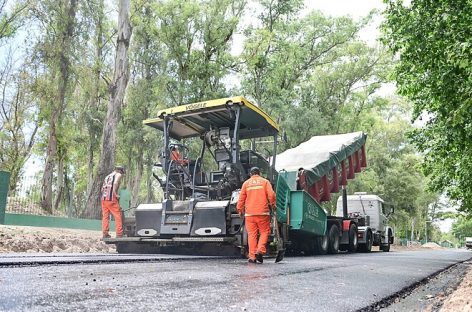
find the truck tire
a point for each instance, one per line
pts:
(321, 245)
(333, 239)
(386, 247)
(367, 247)
(352, 238)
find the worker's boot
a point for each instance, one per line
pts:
(252, 261)
(259, 257)
(105, 235)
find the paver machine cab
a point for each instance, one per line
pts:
(199, 206)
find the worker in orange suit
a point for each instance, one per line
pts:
(110, 203)
(177, 157)
(255, 201)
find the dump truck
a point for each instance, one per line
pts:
(198, 211)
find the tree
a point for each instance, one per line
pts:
(94, 69)
(433, 43)
(11, 20)
(55, 49)
(462, 227)
(117, 90)
(143, 94)
(196, 37)
(18, 119)
(306, 69)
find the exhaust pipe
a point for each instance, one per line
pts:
(344, 201)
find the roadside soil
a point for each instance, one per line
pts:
(453, 286)
(39, 239)
(461, 298)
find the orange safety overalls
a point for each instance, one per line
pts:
(177, 157)
(111, 205)
(254, 199)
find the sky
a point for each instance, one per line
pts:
(354, 8)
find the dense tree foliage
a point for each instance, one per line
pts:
(433, 42)
(462, 227)
(309, 71)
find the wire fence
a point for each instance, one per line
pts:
(26, 199)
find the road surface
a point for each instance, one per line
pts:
(344, 282)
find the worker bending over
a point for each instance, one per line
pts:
(255, 200)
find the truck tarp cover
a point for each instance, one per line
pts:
(320, 154)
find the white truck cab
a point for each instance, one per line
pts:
(468, 242)
(373, 216)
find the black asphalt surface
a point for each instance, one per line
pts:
(23, 259)
(344, 282)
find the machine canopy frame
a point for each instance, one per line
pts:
(194, 120)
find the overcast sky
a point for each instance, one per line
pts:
(354, 8)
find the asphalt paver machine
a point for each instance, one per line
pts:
(198, 211)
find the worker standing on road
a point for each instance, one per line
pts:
(110, 202)
(255, 200)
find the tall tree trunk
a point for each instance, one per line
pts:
(64, 43)
(59, 184)
(95, 97)
(46, 183)
(90, 167)
(137, 178)
(117, 93)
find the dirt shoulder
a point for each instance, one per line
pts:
(38, 239)
(461, 298)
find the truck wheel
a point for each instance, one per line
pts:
(321, 245)
(352, 238)
(386, 247)
(367, 247)
(333, 239)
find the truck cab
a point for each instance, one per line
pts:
(374, 230)
(468, 242)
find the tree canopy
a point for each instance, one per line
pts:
(433, 43)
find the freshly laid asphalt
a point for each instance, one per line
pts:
(344, 282)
